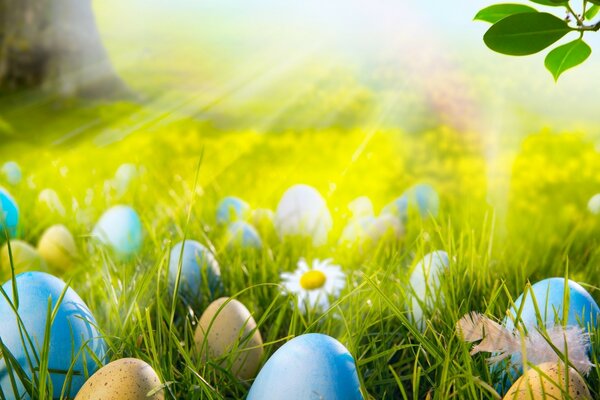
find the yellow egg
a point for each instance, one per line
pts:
(124, 379)
(58, 247)
(539, 384)
(24, 258)
(228, 332)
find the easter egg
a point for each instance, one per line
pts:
(227, 332)
(196, 262)
(120, 229)
(421, 198)
(74, 341)
(594, 204)
(356, 232)
(9, 215)
(48, 198)
(124, 176)
(124, 379)
(547, 381)
(241, 234)
(57, 246)
(549, 295)
(232, 209)
(425, 284)
(310, 366)
(24, 258)
(302, 212)
(12, 172)
(361, 207)
(385, 226)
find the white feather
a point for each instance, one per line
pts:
(572, 341)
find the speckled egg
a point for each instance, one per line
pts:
(57, 246)
(310, 366)
(124, 379)
(232, 209)
(120, 229)
(543, 383)
(74, 340)
(421, 198)
(24, 258)
(227, 332)
(196, 262)
(241, 234)
(303, 212)
(12, 172)
(594, 204)
(48, 198)
(9, 215)
(425, 283)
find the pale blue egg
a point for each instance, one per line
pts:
(74, 339)
(232, 209)
(310, 366)
(12, 172)
(197, 262)
(120, 229)
(9, 215)
(241, 234)
(422, 198)
(549, 295)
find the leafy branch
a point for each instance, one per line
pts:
(520, 30)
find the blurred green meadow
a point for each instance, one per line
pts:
(240, 106)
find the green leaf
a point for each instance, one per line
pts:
(524, 34)
(497, 12)
(592, 12)
(596, 2)
(551, 3)
(567, 56)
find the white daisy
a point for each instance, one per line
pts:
(314, 285)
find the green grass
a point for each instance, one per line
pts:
(541, 228)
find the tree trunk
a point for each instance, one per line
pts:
(54, 45)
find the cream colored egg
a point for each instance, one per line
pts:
(543, 384)
(57, 246)
(228, 332)
(124, 379)
(24, 258)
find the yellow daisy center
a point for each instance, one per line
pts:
(312, 280)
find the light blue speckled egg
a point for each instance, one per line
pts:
(549, 295)
(9, 215)
(74, 339)
(196, 262)
(232, 209)
(310, 366)
(241, 234)
(422, 198)
(120, 229)
(12, 172)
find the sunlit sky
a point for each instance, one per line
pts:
(420, 47)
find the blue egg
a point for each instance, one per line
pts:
(74, 339)
(421, 198)
(9, 215)
(196, 262)
(232, 209)
(120, 229)
(241, 234)
(311, 366)
(12, 172)
(549, 295)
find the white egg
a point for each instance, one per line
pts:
(425, 284)
(302, 211)
(594, 204)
